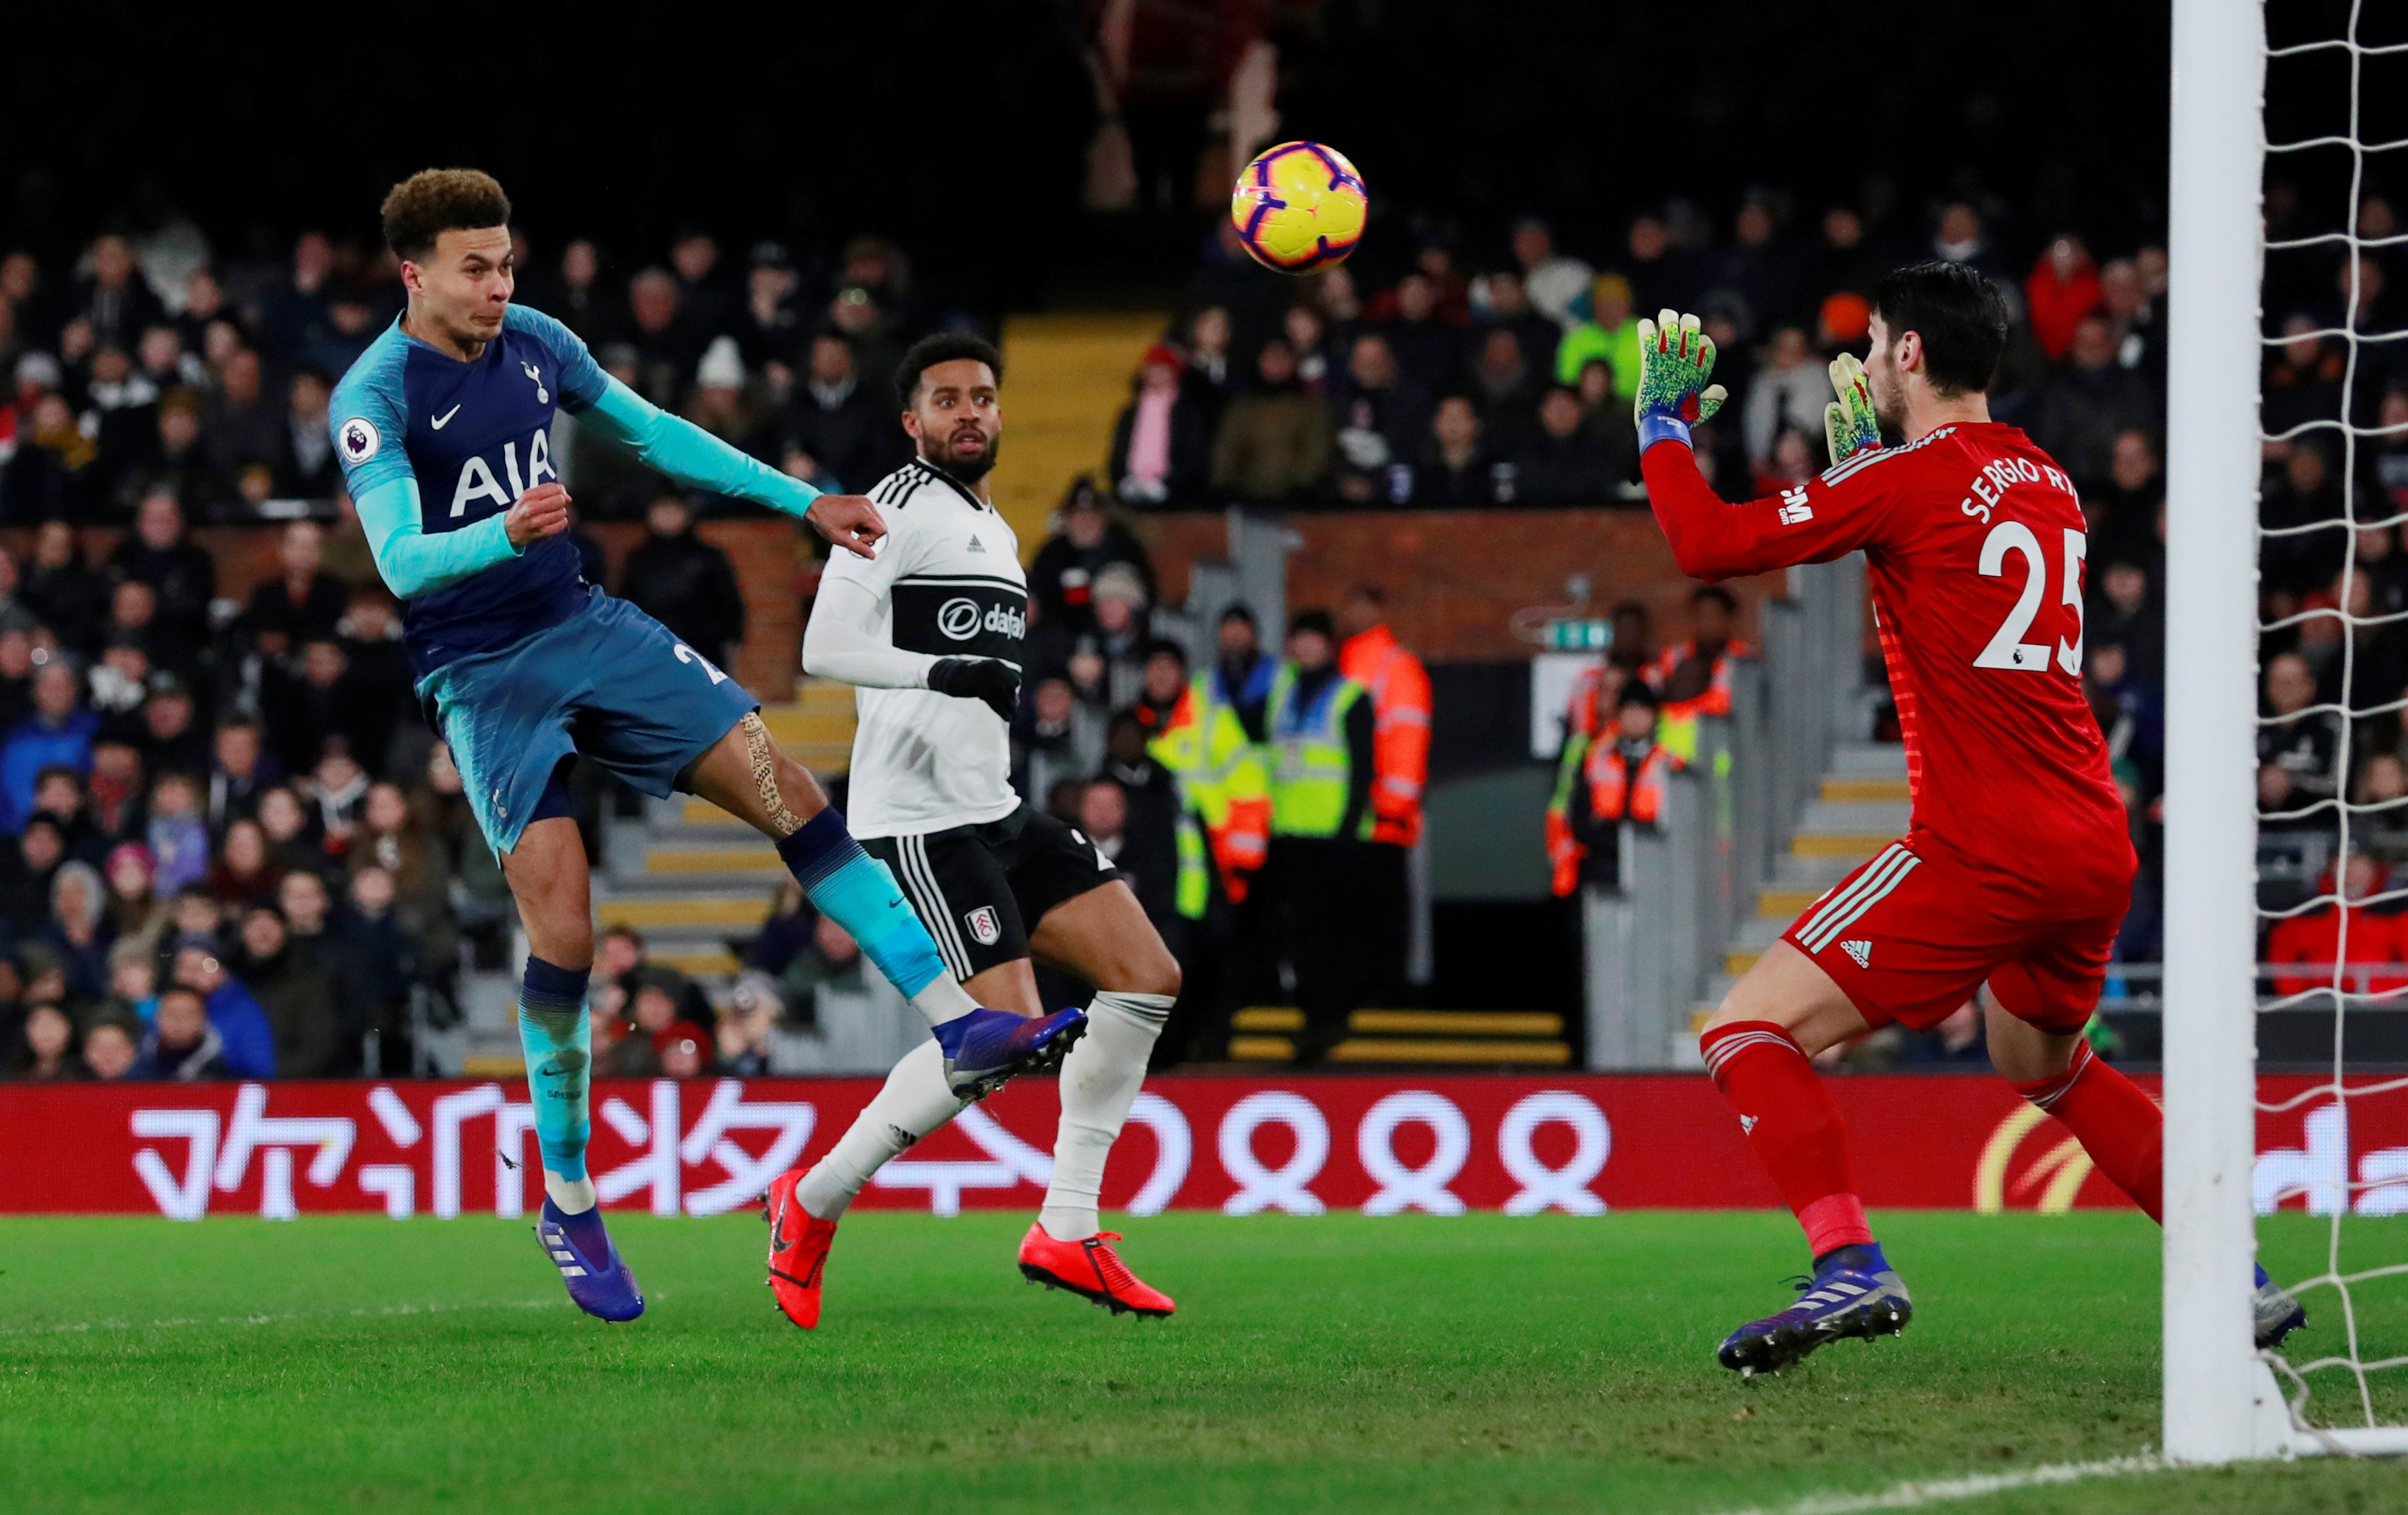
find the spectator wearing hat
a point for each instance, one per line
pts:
(1275, 439)
(1085, 541)
(1610, 332)
(166, 732)
(1615, 781)
(26, 867)
(1242, 672)
(1162, 443)
(768, 329)
(1122, 634)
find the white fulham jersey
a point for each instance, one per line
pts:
(949, 583)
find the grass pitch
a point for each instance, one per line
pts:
(1334, 1364)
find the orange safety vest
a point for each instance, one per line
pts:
(1716, 700)
(1615, 794)
(1399, 688)
(1583, 722)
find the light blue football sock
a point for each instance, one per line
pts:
(559, 1045)
(856, 892)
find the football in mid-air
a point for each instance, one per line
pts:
(1299, 206)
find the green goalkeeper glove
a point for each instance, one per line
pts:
(1849, 425)
(1675, 360)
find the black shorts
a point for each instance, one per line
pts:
(980, 889)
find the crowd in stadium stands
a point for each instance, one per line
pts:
(208, 799)
(1504, 375)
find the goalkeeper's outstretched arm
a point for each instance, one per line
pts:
(1823, 519)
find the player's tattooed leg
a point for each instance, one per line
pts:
(763, 755)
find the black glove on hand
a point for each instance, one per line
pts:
(991, 680)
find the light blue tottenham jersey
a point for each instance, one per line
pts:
(476, 435)
(437, 450)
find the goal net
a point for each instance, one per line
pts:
(2286, 684)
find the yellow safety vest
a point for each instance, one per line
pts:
(1310, 763)
(1225, 793)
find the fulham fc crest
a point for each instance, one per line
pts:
(984, 926)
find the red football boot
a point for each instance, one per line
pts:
(1093, 1271)
(798, 1249)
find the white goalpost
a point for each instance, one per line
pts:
(2224, 1401)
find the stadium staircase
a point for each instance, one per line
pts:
(1068, 374)
(1861, 808)
(690, 877)
(1493, 1039)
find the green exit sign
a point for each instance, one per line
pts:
(1579, 636)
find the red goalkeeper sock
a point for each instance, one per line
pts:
(1793, 1125)
(2118, 1125)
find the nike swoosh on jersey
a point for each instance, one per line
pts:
(438, 421)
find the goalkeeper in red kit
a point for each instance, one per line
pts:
(2018, 869)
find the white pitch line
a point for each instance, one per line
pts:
(1916, 1494)
(73, 1327)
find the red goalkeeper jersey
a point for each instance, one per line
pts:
(1975, 545)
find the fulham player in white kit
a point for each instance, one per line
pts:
(930, 631)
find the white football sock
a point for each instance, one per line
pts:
(943, 1000)
(1100, 1078)
(569, 1196)
(913, 1102)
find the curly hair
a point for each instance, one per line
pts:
(433, 201)
(942, 347)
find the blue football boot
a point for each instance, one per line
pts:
(2278, 1313)
(1853, 1293)
(985, 1048)
(603, 1286)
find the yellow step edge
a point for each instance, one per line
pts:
(1437, 1050)
(1261, 1050)
(832, 726)
(1736, 963)
(1784, 904)
(1866, 791)
(1268, 1018)
(1457, 1023)
(713, 860)
(1826, 844)
(696, 961)
(492, 1066)
(731, 914)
